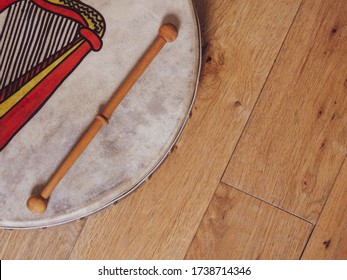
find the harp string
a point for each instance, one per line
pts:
(30, 37)
(4, 35)
(27, 27)
(23, 11)
(10, 26)
(52, 37)
(32, 51)
(30, 31)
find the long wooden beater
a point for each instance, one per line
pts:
(167, 33)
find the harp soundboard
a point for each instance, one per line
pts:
(41, 43)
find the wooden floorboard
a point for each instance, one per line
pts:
(275, 73)
(238, 226)
(296, 141)
(329, 238)
(52, 243)
(159, 221)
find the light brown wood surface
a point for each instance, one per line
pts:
(296, 140)
(51, 243)
(237, 226)
(329, 239)
(246, 45)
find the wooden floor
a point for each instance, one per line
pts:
(260, 171)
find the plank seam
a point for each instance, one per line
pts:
(261, 91)
(74, 246)
(308, 239)
(331, 189)
(202, 218)
(325, 202)
(268, 203)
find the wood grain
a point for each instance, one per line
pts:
(296, 140)
(159, 221)
(290, 154)
(329, 238)
(238, 226)
(52, 243)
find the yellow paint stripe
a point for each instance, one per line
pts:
(9, 103)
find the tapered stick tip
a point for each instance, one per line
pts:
(37, 205)
(168, 32)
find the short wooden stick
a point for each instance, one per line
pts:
(167, 33)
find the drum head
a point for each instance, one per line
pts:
(141, 132)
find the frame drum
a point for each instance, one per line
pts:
(141, 133)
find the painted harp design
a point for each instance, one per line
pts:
(41, 43)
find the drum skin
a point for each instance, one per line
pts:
(141, 132)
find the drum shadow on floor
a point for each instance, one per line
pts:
(202, 8)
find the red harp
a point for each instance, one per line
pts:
(41, 43)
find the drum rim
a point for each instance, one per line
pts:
(157, 165)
